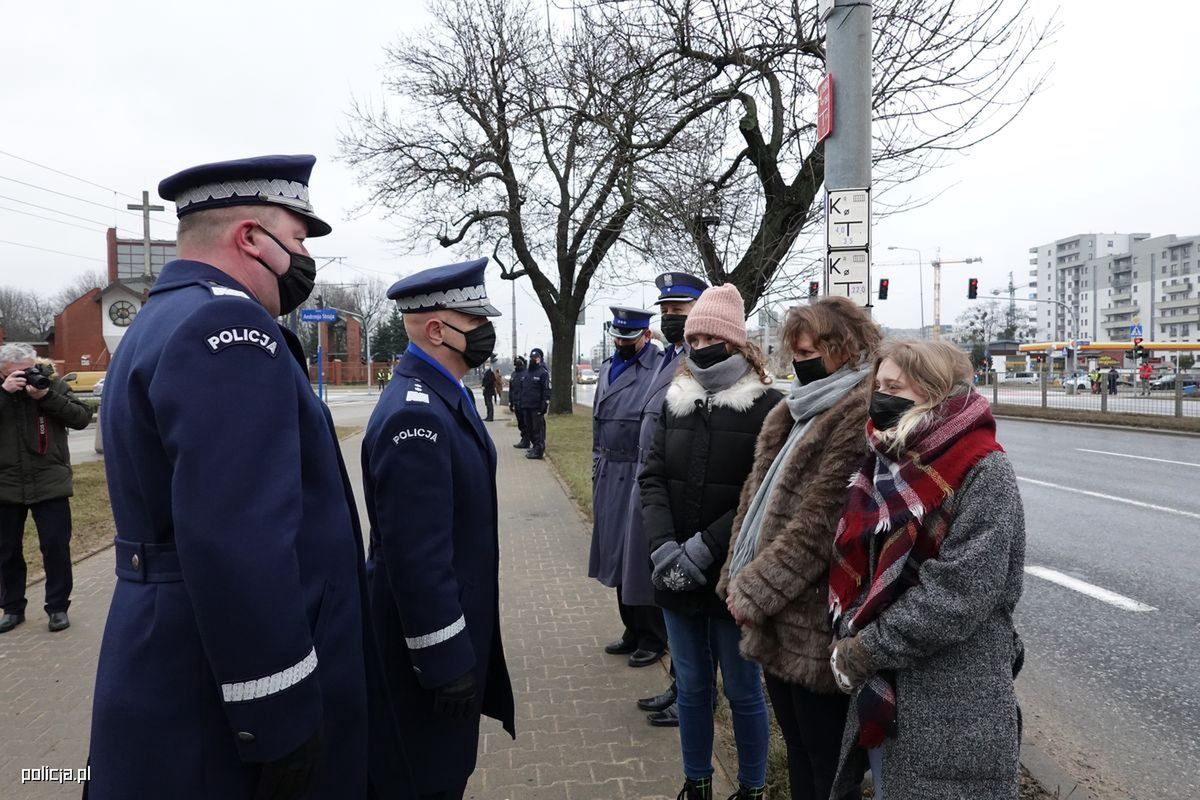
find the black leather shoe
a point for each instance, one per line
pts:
(59, 621)
(522, 445)
(10, 621)
(644, 658)
(659, 701)
(667, 718)
(620, 647)
(535, 454)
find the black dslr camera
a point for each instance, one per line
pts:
(38, 377)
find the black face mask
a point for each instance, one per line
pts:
(627, 352)
(809, 370)
(887, 409)
(672, 327)
(481, 343)
(712, 355)
(296, 284)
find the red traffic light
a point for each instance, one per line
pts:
(814, 288)
(972, 288)
(1137, 340)
(883, 288)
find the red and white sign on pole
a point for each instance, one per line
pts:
(824, 108)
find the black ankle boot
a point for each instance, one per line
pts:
(749, 794)
(696, 790)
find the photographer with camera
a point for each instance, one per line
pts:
(36, 408)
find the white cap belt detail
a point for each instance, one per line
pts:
(468, 296)
(272, 684)
(291, 192)
(437, 637)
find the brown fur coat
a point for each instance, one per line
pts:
(784, 591)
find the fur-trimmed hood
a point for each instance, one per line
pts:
(686, 393)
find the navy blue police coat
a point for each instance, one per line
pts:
(429, 470)
(238, 620)
(535, 388)
(616, 417)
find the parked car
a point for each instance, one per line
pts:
(1021, 377)
(83, 381)
(98, 389)
(585, 374)
(1167, 382)
(1081, 383)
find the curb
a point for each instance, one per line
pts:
(1100, 426)
(1049, 775)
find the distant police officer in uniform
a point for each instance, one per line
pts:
(677, 292)
(620, 395)
(516, 384)
(235, 659)
(429, 468)
(535, 402)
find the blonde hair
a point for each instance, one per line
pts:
(936, 370)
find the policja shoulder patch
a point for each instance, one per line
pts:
(241, 334)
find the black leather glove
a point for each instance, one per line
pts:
(455, 698)
(290, 777)
(545, 410)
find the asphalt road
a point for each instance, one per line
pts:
(1126, 400)
(1113, 694)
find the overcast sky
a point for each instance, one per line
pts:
(123, 94)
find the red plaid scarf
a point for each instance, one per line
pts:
(901, 501)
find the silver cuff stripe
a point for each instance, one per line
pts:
(272, 684)
(467, 296)
(437, 637)
(267, 189)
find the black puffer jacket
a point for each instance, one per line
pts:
(35, 462)
(702, 454)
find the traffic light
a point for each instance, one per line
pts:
(1139, 352)
(972, 288)
(883, 288)
(814, 288)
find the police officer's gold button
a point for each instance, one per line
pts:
(135, 561)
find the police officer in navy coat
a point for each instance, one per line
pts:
(616, 415)
(236, 657)
(429, 468)
(534, 401)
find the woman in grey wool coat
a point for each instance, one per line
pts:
(928, 565)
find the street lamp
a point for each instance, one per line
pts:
(920, 280)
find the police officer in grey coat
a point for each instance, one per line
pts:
(616, 415)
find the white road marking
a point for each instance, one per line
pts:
(1140, 458)
(1113, 498)
(1091, 590)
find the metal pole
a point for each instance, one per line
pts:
(514, 320)
(1045, 378)
(937, 295)
(1178, 389)
(367, 333)
(848, 59)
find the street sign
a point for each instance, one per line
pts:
(848, 274)
(824, 9)
(848, 219)
(1082, 342)
(318, 315)
(825, 108)
(1135, 331)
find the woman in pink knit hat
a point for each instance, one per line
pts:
(702, 453)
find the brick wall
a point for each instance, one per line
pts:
(77, 332)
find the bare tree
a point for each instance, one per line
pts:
(507, 133)
(948, 74)
(24, 315)
(79, 285)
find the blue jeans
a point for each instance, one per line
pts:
(695, 642)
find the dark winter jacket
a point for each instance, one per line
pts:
(35, 462)
(489, 383)
(516, 384)
(784, 591)
(702, 453)
(535, 391)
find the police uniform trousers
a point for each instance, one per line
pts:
(644, 625)
(535, 428)
(489, 402)
(53, 521)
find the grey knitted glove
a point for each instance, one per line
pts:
(663, 559)
(697, 551)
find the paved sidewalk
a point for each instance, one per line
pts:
(580, 736)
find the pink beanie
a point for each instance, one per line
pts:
(719, 313)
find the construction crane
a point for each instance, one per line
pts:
(937, 287)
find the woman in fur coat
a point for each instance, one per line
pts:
(776, 578)
(930, 553)
(702, 452)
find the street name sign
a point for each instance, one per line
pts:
(318, 315)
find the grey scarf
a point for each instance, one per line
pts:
(722, 375)
(805, 402)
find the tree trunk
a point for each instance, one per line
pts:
(562, 365)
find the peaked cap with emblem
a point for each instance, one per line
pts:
(678, 287)
(280, 181)
(629, 323)
(457, 287)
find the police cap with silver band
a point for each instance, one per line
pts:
(678, 287)
(456, 287)
(629, 323)
(280, 181)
